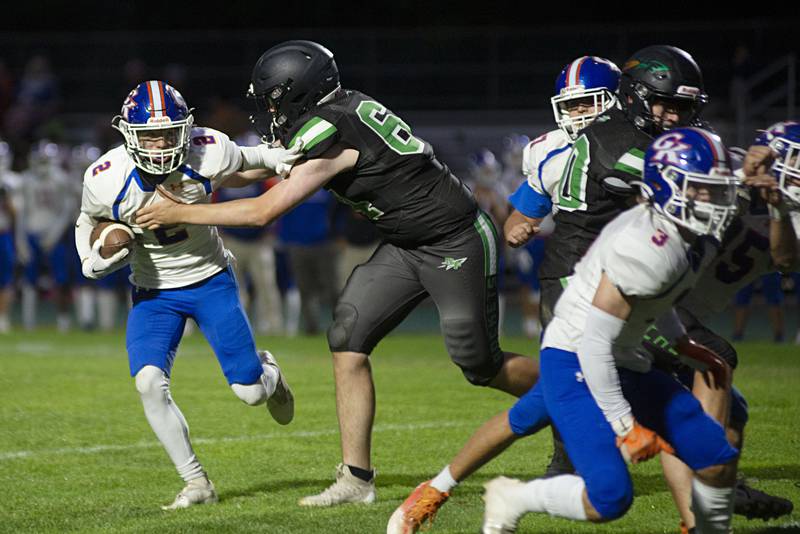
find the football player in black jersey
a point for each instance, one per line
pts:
(436, 242)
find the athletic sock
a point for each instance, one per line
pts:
(712, 507)
(363, 474)
(560, 496)
(444, 481)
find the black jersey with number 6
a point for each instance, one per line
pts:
(610, 149)
(397, 183)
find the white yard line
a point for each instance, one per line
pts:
(16, 455)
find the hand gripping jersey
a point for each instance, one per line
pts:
(644, 255)
(744, 256)
(610, 147)
(397, 183)
(114, 188)
(543, 161)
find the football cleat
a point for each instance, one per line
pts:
(197, 491)
(281, 403)
(348, 488)
(755, 504)
(559, 462)
(420, 507)
(500, 517)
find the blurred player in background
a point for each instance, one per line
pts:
(9, 224)
(178, 272)
(49, 205)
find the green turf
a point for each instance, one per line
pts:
(76, 453)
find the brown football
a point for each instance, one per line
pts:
(117, 237)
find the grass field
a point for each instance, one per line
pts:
(76, 454)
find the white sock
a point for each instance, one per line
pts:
(63, 321)
(84, 305)
(560, 496)
(167, 421)
(712, 507)
(5, 323)
(107, 309)
(292, 311)
(29, 298)
(444, 481)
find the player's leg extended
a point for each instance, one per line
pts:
(603, 491)
(378, 296)
(527, 417)
(155, 326)
(661, 403)
(254, 377)
(461, 277)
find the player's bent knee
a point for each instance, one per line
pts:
(150, 380)
(610, 494)
(340, 332)
(251, 394)
(479, 362)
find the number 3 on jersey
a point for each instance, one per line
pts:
(390, 128)
(571, 193)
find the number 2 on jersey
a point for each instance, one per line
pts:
(390, 128)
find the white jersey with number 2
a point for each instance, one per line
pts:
(181, 255)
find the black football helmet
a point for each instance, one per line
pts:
(288, 80)
(664, 73)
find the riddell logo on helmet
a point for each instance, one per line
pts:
(687, 90)
(159, 120)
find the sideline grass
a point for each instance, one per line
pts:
(76, 454)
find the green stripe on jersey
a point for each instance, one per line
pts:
(486, 230)
(313, 132)
(631, 162)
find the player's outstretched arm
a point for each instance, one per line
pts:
(305, 179)
(519, 229)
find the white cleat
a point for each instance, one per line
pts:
(197, 491)
(348, 488)
(500, 517)
(281, 402)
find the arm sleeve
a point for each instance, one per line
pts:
(598, 365)
(530, 202)
(83, 232)
(230, 159)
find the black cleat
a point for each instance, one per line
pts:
(560, 463)
(755, 504)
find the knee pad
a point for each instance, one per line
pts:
(471, 351)
(610, 493)
(150, 381)
(341, 330)
(251, 394)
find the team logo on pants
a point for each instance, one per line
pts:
(452, 263)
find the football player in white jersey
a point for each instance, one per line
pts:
(607, 400)
(9, 229)
(585, 88)
(49, 202)
(754, 244)
(182, 271)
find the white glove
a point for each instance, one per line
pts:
(96, 266)
(278, 159)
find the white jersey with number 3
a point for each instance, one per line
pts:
(644, 256)
(113, 188)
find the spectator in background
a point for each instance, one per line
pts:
(6, 90)
(773, 295)
(357, 239)
(254, 250)
(306, 233)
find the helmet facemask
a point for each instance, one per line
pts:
(786, 169)
(705, 204)
(690, 103)
(157, 161)
(599, 99)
